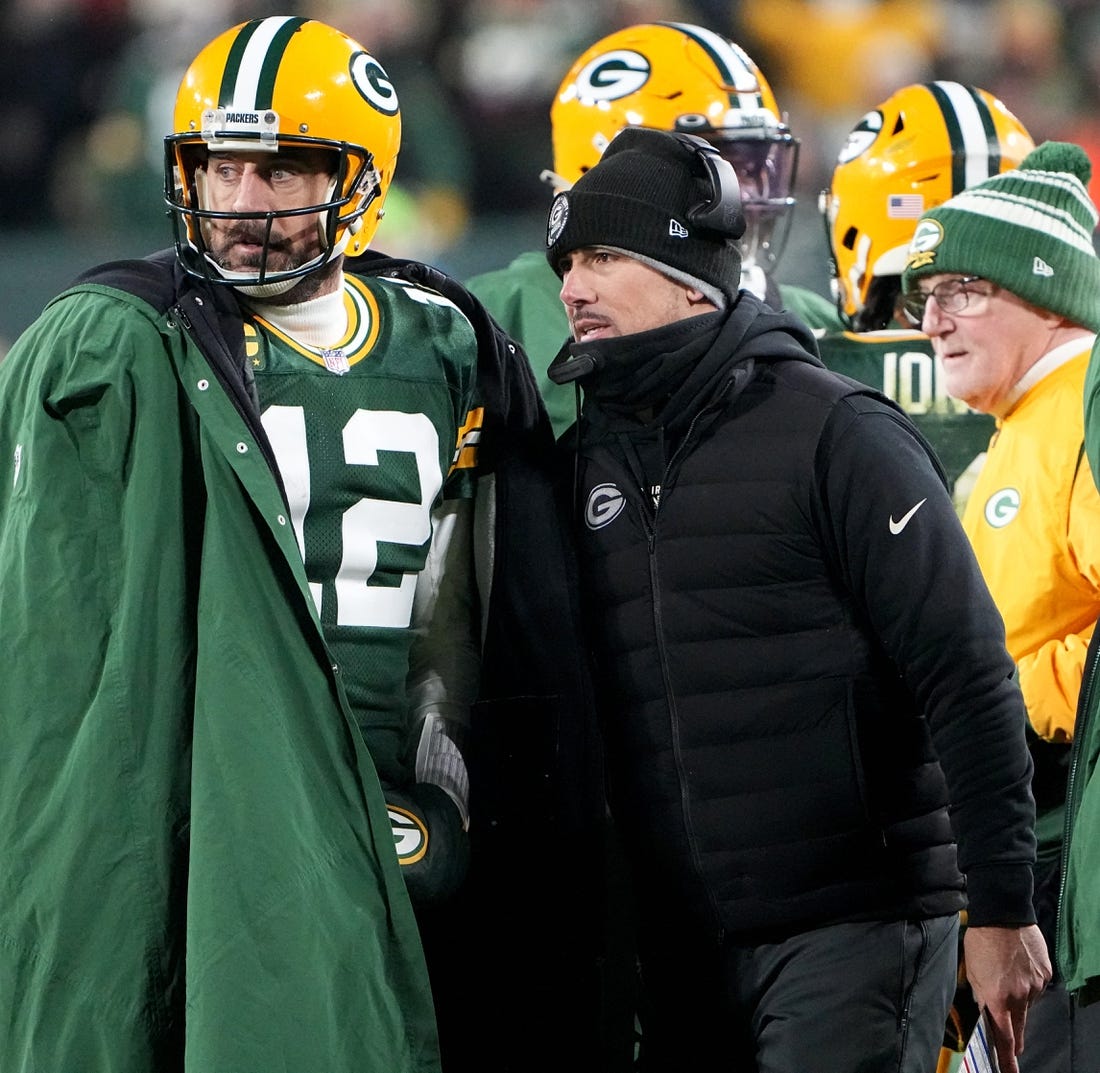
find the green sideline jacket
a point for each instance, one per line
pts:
(1078, 939)
(196, 867)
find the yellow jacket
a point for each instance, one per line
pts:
(1034, 521)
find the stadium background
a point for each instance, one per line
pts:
(86, 91)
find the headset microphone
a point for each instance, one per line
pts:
(566, 368)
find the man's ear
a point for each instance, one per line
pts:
(695, 298)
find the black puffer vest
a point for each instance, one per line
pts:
(768, 769)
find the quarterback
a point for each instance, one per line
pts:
(237, 603)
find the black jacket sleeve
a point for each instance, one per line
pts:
(901, 551)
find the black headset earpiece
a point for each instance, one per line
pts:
(721, 211)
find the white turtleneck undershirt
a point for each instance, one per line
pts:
(319, 322)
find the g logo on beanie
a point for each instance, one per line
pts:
(922, 247)
(559, 217)
(1030, 230)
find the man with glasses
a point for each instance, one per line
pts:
(1005, 280)
(921, 146)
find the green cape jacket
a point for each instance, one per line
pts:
(196, 866)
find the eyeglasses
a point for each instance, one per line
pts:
(952, 296)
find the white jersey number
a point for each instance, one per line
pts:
(358, 603)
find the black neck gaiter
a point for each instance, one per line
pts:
(639, 373)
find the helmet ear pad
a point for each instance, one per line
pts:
(878, 310)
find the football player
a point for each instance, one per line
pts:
(912, 152)
(285, 141)
(238, 608)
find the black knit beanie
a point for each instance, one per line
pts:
(647, 196)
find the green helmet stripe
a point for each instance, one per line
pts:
(732, 64)
(975, 149)
(991, 137)
(265, 88)
(248, 83)
(233, 63)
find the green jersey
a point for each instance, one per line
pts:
(902, 365)
(524, 300)
(370, 437)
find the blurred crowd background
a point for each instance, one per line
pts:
(87, 87)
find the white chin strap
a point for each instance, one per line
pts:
(255, 290)
(270, 290)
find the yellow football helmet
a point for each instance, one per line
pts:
(274, 84)
(679, 77)
(923, 145)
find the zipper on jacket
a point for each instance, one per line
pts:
(649, 522)
(670, 698)
(674, 733)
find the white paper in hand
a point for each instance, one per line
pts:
(980, 1057)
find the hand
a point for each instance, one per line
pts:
(432, 847)
(1007, 969)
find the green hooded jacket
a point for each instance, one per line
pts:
(197, 870)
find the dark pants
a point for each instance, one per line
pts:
(1060, 1036)
(850, 998)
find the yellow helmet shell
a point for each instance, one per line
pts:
(926, 143)
(669, 76)
(285, 82)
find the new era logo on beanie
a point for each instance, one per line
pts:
(656, 196)
(1029, 230)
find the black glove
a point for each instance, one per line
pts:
(432, 847)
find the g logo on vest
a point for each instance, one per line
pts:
(605, 504)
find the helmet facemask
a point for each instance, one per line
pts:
(766, 163)
(354, 185)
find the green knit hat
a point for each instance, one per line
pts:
(1029, 230)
